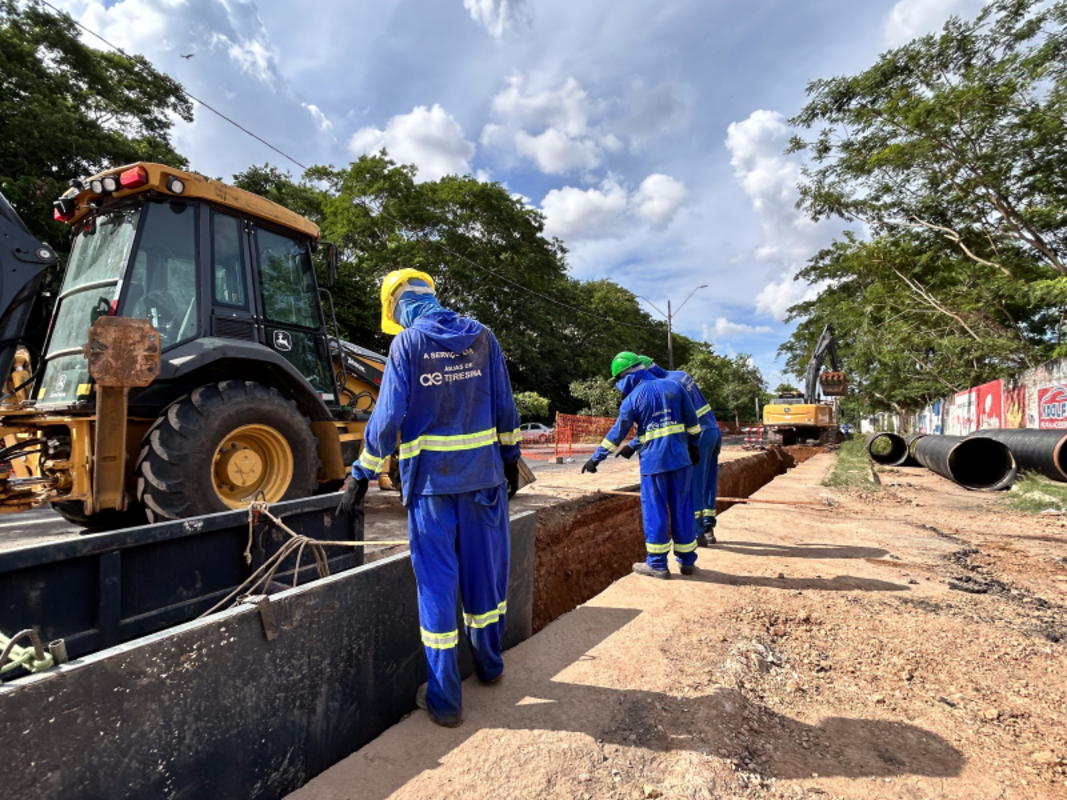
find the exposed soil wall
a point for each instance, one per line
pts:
(585, 545)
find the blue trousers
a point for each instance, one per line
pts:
(706, 479)
(460, 541)
(667, 513)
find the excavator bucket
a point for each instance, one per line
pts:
(23, 261)
(833, 384)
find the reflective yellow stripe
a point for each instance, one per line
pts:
(608, 445)
(656, 549)
(670, 430)
(515, 437)
(698, 514)
(709, 512)
(370, 462)
(693, 431)
(685, 548)
(440, 641)
(463, 441)
(703, 410)
(488, 618)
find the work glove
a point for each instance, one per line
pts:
(589, 466)
(352, 499)
(694, 454)
(625, 451)
(511, 474)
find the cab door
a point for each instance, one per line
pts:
(232, 309)
(291, 315)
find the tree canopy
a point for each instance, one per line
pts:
(950, 151)
(68, 111)
(489, 260)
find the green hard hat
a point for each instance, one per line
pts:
(645, 360)
(624, 361)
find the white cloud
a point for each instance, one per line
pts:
(567, 109)
(557, 154)
(724, 328)
(429, 138)
(769, 178)
(658, 200)
(777, 296)
(911, 18)
(573, 214)
(320, 118)
(496, 16)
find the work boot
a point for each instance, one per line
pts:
(702, 540)
(642, 568)
(420, 701)
(688, 569)
(492, 681)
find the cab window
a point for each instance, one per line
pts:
(161, 281)
(227, 262)
(287, 279)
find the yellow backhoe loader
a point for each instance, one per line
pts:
(188, 368)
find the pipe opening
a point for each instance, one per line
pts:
(981, 464)
(887, 448)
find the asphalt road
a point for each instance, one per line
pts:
(34, 527)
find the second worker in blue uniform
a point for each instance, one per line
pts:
(668, 430)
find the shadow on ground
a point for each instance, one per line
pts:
(532, 697)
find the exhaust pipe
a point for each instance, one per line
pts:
(887, 449)
(1041, 451)
(973, 462)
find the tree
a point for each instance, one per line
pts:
(731, 386)
(489, 260)
(950, 150)
(68, 111)
(531, 404)
(600, 396)
(785, 387)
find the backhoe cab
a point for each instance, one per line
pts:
(794, 417)
(188, 367)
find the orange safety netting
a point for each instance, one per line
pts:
(581, 434)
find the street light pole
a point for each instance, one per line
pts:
(670, 322)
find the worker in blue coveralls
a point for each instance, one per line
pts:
(706, 473)
(668, 430)
(447, 394)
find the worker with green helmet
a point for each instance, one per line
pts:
(668, 430)
(706, 472)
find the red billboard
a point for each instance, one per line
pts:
(979, 407)
(1052, 407)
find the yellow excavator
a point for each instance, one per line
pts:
(793, 417)
(192, 363)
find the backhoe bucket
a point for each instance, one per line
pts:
(23, 261)
(833, 384)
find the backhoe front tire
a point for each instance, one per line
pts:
(221, 445)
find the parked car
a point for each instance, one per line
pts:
(536, 433)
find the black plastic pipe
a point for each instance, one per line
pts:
(910, 461)
(1041, 451)
(898, 449)
(974, 462)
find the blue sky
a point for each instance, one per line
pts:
(650, 133)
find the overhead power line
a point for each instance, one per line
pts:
(382, 213)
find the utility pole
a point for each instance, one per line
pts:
(670, 339)
(670, 322)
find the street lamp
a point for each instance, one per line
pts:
(670, 316)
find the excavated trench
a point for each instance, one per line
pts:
(585, 545)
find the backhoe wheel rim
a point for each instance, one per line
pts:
(249, 460)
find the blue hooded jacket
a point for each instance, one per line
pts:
(446, 392)
(666, 422)
(685, 380)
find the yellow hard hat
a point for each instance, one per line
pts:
(392, 288)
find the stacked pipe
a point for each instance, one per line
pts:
(910, 461)
(974, 462)
(887, 449)
(1043, 451)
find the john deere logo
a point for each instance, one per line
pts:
(283, 341)
(786, 410)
